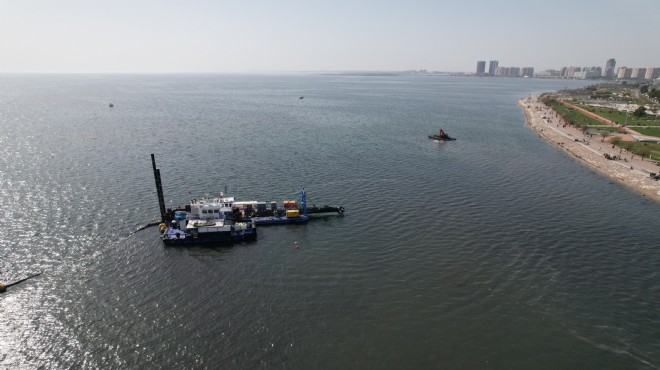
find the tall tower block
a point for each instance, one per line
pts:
(609, 68)
(492, 67)
(481, 68)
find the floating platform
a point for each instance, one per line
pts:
(224, 220)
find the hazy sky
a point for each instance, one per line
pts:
(337, 35)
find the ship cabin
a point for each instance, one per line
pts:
(211, 209)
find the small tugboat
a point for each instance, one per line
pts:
(441, 136)
(207, 220)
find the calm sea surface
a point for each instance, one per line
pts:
(494, 251)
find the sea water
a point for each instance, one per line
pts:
(496, 250)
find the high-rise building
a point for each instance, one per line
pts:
(638, 73)
(624, 73)
(528, 72)
(609, 68)
(513, 72)
(481, 68)
(652, 73)
(492, 67)
(570, 71)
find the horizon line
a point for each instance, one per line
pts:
(420, 70)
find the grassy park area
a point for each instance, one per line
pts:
(645, 125)
(622, 118)
(576, 118)
(642, 149)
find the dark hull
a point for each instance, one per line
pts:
(264, 221)
(437, 137)
(215, 238)
(278, 217)
(324, 211)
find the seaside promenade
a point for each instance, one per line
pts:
(631, 170)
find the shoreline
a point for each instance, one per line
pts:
(630, 172)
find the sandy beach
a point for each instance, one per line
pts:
(629, 171)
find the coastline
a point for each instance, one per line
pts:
(631, 171)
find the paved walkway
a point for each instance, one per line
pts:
(630, 171)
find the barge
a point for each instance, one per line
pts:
(293, 211)
(206, 220)
(223, 219)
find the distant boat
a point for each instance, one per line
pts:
(441, 136)
(111, 105)
(438, 137)
(302, 97)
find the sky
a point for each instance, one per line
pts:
(244, 36)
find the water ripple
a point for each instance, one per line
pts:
(495, 250)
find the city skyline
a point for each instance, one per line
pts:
(221, 36)
(610, 71)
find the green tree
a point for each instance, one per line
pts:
(654, 93)
(643, 151)
(615, 140)
(640, 111)
(644, 89)
(604, 134)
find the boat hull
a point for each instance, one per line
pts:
(324, 211)
(213, 238)
(437, 137)
(279, 220)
